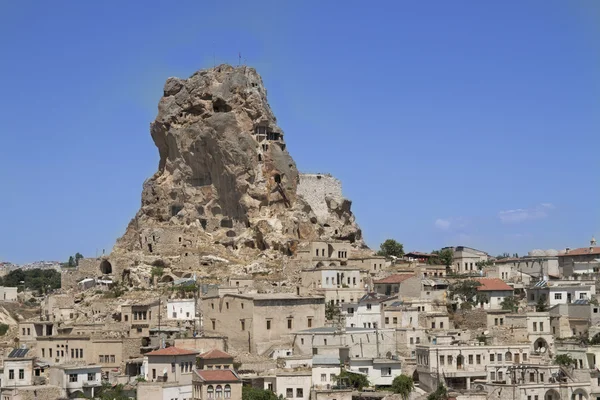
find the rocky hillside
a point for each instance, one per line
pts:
(225, 176)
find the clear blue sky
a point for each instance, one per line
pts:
(449, 122)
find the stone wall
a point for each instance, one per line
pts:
(45, 392)
(314, 188)
(203, 344)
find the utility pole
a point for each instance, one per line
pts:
(159, 339)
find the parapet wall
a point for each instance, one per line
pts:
(314, 188)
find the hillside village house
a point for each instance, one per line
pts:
(366, 313)
(77, 380)
(255, 322)
(561, 291)
(495, 291)
(381, 371)
(337, 284)
(168, 373)
(181, 309)
(392, 285)
(215, 377)
(466, 259)
(573, 261)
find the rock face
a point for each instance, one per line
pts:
(225, 176)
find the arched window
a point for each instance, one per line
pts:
(211, 391)
(219, 391)
(508, 356)
(227, 391)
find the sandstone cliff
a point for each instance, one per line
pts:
(225, 178)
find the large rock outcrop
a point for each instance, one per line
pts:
(225, 177)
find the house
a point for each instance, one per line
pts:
(466, 258)
(181, 309)
(168, 373)
(582, 255)
(254, 322)
(459, 365)
(18, 369)
(216, 384)
(338, 284)
(560, 291)
(417, 256)
(8, 293)
(495, 291)
(380, 371)
(215, 359)
(77, 380)
(171, 364)
(295, 384)
(325, 369)
(140, 317)
(366, 313)
(392, 284)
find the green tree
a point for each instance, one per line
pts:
(595, 340)
(3, 329)
(357, 381)
(510, 303)
(251, 393)
(78, 256)
(36, 279)
(541, 305)
(403, 385)
(391, 248)
(332, 312)
(446, 256)
(564, 360)
(441, 393)
(466, 292)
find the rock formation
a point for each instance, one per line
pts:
(225, 177)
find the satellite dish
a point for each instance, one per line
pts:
(542, 349)
(486, 332)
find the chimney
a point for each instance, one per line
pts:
(567, 250)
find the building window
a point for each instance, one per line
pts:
(210, 390)
(301, 340)
(299, 392)
(508, 356)
(309, 322)
(323, 377)
(418, 340)
(535, 326)
(91, 376)
(442, 359)
(11, 374)
(43, 353)
(441, 325)
(72, 377)
(470, 358)
(243, 323)
(395, 320)
(173, 367)
(214, 324)
(289, 321)
(491, 357)
(268, 324)
(557, 296)
(500, 375)
(492, 376)
(541, 377)
(219, 391)
(387, 320)
(499, 357)
(411, 340)
(478, 359)
(289, 393)
(524, 356)
(227, 391)
(387, 371)
(368, 306)
(541, 326)
(433, 325)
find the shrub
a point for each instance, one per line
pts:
(3, 329)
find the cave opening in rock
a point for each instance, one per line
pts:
(105, 267)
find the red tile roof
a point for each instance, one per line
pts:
(217, 375)
(396, 278)
(172, 351)
(418, 253)
(488, 284)
(582, 251)
(214, 353)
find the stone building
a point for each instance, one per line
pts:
(392, 285)
(211, 384)
(560, 291)
(77, 380)
(495, 291)
(367, 312)
(8, 293)
(466, 259)
(254, 322)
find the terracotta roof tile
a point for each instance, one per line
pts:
(396, 278)
(214, 353)
(172, 351)
(217, 375)
(488, 284)
(582, 251)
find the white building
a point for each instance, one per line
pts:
(18, 369)
(293, 384)
(495, 290)
(366, 313)
(561, 292)
(380, 371)
(8, 293)
(324, 370)
(181, 309)
(466, 259)
(80, 381)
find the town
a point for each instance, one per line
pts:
(331, 325)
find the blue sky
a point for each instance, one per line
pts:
(449, 123)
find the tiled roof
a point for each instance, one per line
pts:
(582, 251)
(396, 278)
(488, 284)
(418, 253)
(214, 353)
(172, 351)
(217, 375)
